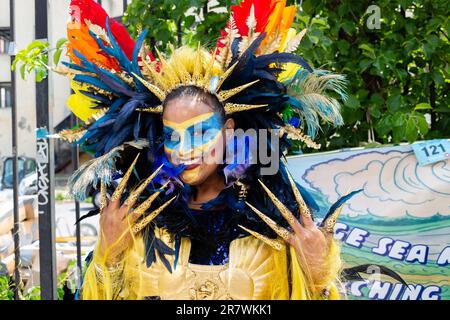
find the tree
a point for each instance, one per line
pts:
(397, 73)
(395, 55)
(181, 22)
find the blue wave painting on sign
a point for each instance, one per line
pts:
(400, 220)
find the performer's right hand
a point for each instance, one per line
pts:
(119, 222)
(115, 231)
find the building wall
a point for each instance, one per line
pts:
(5, 75)
(25, 97)
(4, 13)
(114, 8)
(59, 87)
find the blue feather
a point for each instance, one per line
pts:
(135, 65)
(118, 52)
(74, 66)
(92, 81)
(126, 111)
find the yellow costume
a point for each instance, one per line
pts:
(255, 271)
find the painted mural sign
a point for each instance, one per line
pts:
(400, 220)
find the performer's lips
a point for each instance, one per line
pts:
(191, 164)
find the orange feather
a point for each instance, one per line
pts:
(81, 40)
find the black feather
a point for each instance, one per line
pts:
(91, 213)
(353, 273)
(281, 57)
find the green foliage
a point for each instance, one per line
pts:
(64, 279)
(167, 21)
(398, 74)
(35, 58)
(6, 289)
(60, 196)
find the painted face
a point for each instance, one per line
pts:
(193, 137)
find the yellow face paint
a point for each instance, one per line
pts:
(188, 123)
(193, 137)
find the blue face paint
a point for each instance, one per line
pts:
(194, 135)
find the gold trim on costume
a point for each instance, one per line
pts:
(236, 107)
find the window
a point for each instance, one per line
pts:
(4, 40)
(25, 166)
(5, 95)
(4, 46)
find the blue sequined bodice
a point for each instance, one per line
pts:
(218, 229)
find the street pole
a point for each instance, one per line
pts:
(46, 170)
(75, 163)
(17, 279)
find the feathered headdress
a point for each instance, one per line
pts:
(119, 86)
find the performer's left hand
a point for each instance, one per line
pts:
(311, 245)
(310, 242)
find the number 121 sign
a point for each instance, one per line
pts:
(431, 151)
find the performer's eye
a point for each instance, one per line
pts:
(174, 137)
(171, 136)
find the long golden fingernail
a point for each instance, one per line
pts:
(304, 210)
(280, 231)
(144, 222)
(285, 212)
(103, 196)
(135, 194)
(143, 207)
(123, 183)
(329, 223)
(271, 242)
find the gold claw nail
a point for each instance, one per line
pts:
(280, 231)
(330, 222)
(304, 210)
(285, 212)
(143, 207)
(123, 183)
(103, 196)
(144, 222)
(135, 194)
(271, 242)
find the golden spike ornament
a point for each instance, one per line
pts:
(143, 207)
(237, 107)
(329, 223)
(227, 94)
(156, 110)
(297, 134)
(225, 75)
(152, 88)
(285, 212)
(103, 196)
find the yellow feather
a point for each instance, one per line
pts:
(79, 104)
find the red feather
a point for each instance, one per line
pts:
(82, 10)
(263, 9)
